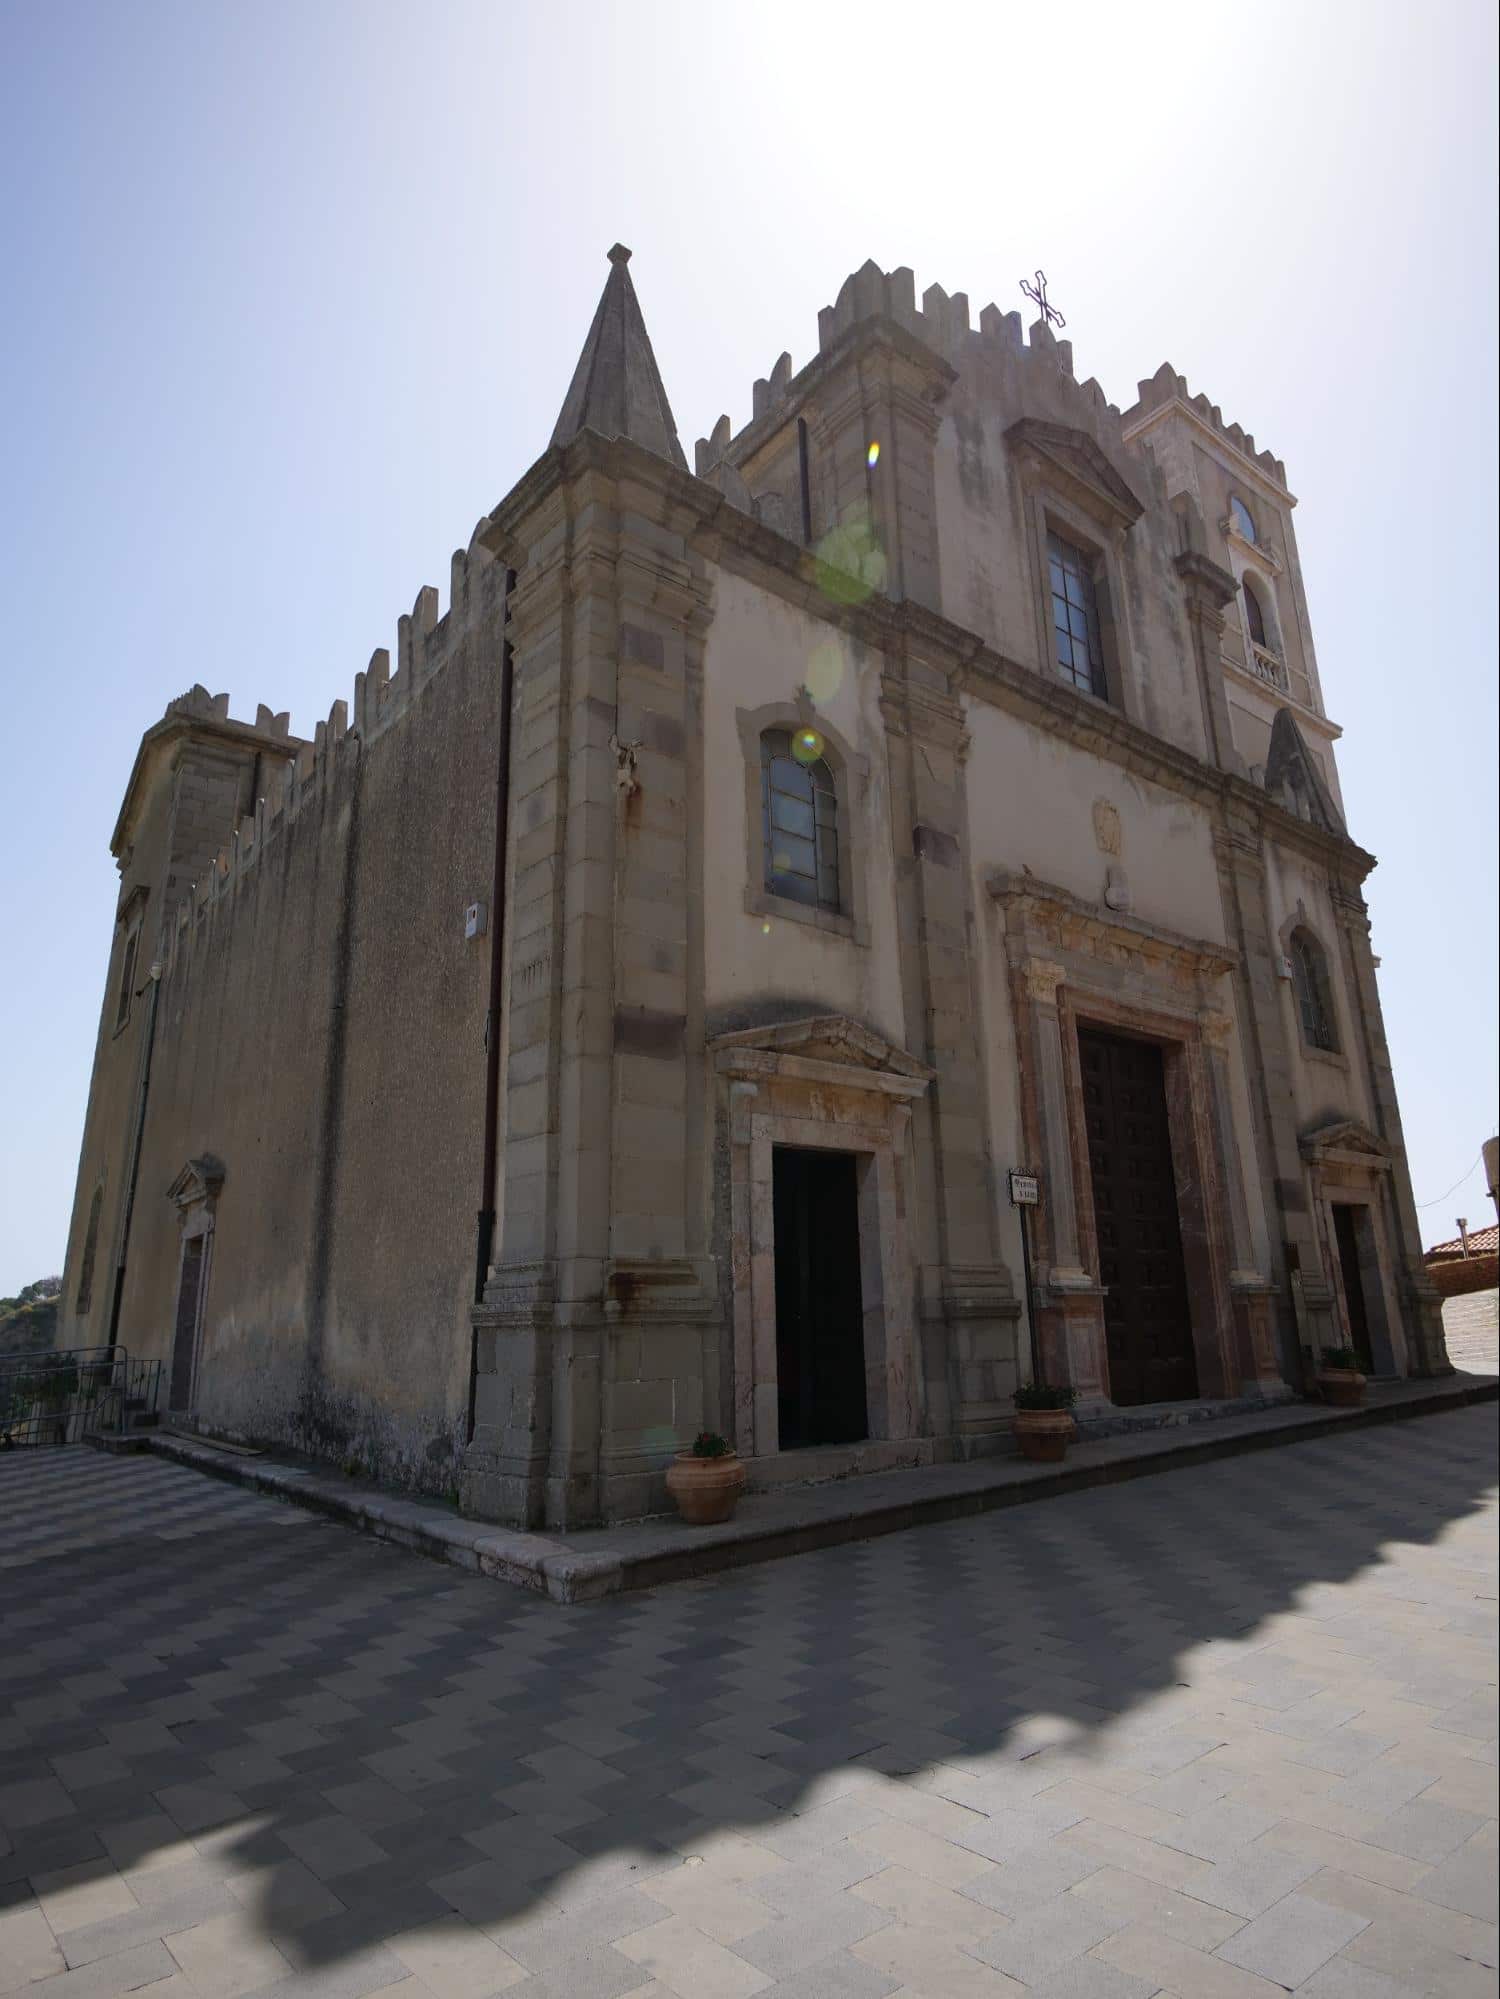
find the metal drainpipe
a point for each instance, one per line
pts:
(489, 1173)
(135, 1156)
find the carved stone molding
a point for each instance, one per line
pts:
(1215, 1028)
(1042, 914)
(1040, 980)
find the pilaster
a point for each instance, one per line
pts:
(1303, 1310)
(1206, 589)
(1421, 1304)
(969, 1309)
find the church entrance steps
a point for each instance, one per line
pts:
(597, 1562)
(1116, 1422)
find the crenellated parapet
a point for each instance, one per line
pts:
(1167, 386)
(382, 701)
(942, 324)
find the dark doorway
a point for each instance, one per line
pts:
(820, 1337)
(185, 1335)
(1147, 1325)
(1346, 1222)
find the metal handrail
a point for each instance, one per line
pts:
(53, 1397)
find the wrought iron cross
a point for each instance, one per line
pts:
(1038, 292)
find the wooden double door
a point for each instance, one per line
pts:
(1147, 1324)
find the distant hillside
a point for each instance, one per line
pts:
(28, 1323)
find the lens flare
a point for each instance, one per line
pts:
(872, 456)
(807, 746)
(825, 671)
(765, 928)
(851, 564)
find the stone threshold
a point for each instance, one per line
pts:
(600, 1561)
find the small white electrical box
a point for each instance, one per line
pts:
(1283, 968)
(476, 919)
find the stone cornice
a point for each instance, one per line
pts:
(1207, 576)
(724, 533)
(1345, 1143)
(1080, 461)
(1061, 913)
(821, 1048)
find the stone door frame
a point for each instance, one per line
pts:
(1348, 1166)
(1072, 965)
(196, 1193)
(823, 1084)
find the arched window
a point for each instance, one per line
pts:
(1239, 513)
(90, 1248)
(1310, 983)
(1255, 617)
(799, 818)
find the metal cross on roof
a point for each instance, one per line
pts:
(1038, 291)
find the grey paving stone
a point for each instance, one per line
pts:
(93, 1941)
(130, 1971)
(1089, 1978)
(837, 1977)
(1031, 1880)
(1425, 1832)
(1292, 1940)
(594, 1974)
(1195, 1687)
(33, 1801)
(1342, 1978)
(544, 1937)
(1465, 1881)
(792, 1944)
(1256, 1877)
(1036, 1946)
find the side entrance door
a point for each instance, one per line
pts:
(189, 1317)
(1345, 1229)
(1148, 1329)
(820, 1338)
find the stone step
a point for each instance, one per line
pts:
(596, 1562)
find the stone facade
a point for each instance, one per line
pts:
(324, 950)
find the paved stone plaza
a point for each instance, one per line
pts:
(1222, 1732)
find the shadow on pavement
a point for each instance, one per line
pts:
(238, 1706)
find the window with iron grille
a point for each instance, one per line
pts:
(799, 818)
(1310, 983)
(1075, 616)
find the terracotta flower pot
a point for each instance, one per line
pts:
(1045, 1434)
(1342, 1387)
(706, 1489)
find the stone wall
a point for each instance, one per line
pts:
(321, 1033)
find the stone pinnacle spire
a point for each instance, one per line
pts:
(616, 389)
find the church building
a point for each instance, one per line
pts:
(626, 1016)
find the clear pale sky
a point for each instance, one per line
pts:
(293, 292)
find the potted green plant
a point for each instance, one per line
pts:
(1044, 1421)
(707, 1480)
(1339, 1378)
